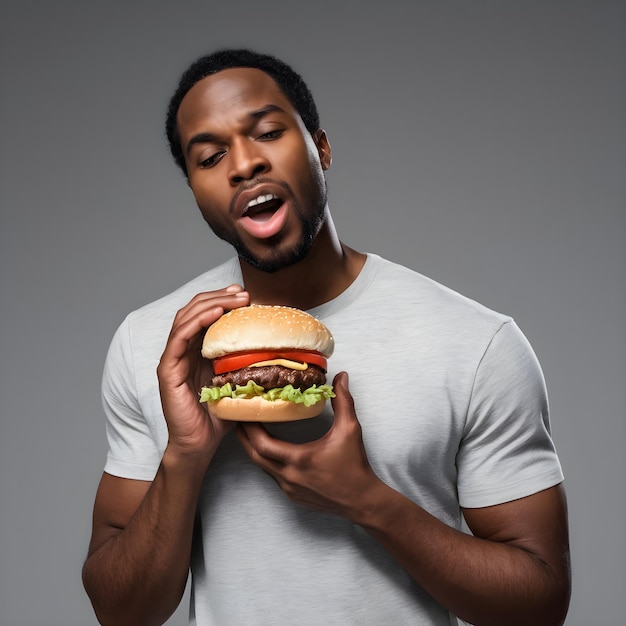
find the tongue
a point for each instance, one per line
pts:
(261, 216)
(263, 210)
(266, 221)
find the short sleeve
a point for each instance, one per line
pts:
(132, 449)
(507, 450)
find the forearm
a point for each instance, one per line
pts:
(481, 581)
(137, 575)
(517, 572)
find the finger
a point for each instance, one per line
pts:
(343, 402)
(202, 302)
(261, 447)
(183, 334)
(231, 290)
(199, 314)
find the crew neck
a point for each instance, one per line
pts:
(344, 299)
(353, 292)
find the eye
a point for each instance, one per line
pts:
(272, 134)
(214, 159)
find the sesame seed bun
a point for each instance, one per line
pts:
(259, 327)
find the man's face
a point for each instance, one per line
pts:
(255, 171)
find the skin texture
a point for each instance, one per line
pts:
(241, 137)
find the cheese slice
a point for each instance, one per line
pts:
(294, 365)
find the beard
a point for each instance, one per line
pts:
(282, 258)
(279, 257)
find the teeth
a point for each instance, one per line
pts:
(261, 199)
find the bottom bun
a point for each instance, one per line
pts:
(259, 410)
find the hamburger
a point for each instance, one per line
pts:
(269, 365)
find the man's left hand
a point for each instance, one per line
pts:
(328, 474)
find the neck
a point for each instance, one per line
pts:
(328, 269)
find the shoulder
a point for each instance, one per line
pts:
(162, 311)
(144, 331)
(420, 301)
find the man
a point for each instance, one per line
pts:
(353, 517)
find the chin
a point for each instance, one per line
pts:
(277, 259)
(276, 256)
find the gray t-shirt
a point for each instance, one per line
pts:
(454, 413)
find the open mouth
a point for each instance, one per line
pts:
(261, 208)
(264, 216)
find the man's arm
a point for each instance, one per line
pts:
(515, 570)
(139, 555)
(138, 559)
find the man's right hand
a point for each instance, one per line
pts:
(182, 372)
(128, 581)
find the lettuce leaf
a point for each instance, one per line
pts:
(308, 397)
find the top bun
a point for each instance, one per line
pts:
(263, 327)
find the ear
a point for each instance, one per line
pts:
(323, 148)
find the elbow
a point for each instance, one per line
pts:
(553, 611)
(94, 592)
(562, 591)
(114, 608)
(560, 604)
(547, 606)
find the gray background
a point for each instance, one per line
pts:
(479, 142)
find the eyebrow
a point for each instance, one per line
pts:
(257, 114)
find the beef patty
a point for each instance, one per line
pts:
(271, 376)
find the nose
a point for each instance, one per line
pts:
(247, 161)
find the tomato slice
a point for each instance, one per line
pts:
(238, 360)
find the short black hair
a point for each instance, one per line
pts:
(289, 82)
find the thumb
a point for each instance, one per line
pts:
(343, 402)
